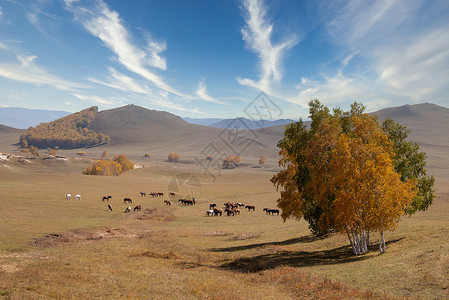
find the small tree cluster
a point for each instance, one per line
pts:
(173, 157)
(147, 155)
(34, 150)
(105, 154)
(231, 162)
(262, 159)
(52, 151)
(80, 153)
(114, 167)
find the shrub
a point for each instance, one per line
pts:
(232, 162)
(114, 167)
(148, 155)
(173, 157)
(80, 153)
(105, 153)
(25, 150)
(262, 159)
(53, 152)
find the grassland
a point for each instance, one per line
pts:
(51, 247)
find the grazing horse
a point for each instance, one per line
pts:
(110, 207)
(143, 194)
(138, 207)
(240, 204)
(212, 205)
(266, 210)
(78, 197)
(229, 211)
(107, 198)
(210, 212)
(172, 194)
(160, 194)
(217, 211)
(128, 209)
(249, 207)
(167, 202)
(152, 194)
(236, 211)
(68, 196)
(274, 211)
(127, 200)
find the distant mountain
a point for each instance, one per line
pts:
(23, 117)
(245, 123)
(202, 121)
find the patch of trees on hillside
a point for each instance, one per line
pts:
(67, 133)
(108, 167)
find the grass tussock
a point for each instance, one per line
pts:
(169, 255)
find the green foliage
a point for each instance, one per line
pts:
(410, 163)
(114, 167)
(67, 133)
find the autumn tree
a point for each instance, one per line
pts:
(52, 152)
(231, 162)
(105, 154)
(124, 162)
(339, 175)
(147, 155)
(173, 157)
(262, 159)
(114, 167)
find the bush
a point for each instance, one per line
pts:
(148, 155)
(105, 153)
(25, 150)
(173, 157)
(232, 162)
(80, 153)
(114, 167)
(34, 150)
(262, 159)
(53, 152)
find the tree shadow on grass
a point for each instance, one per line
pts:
(338, 255)
(303, 239)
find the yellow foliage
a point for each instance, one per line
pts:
(262, 159)
(114, 167)
(230, 162)
(173, 157)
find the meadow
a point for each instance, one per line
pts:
(51, 247)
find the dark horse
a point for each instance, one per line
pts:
(167, 202)
(107, 198)
(212, 205)
(143, 194)
(110, 207)
(250, 207)
(127, 200)
(217, 211)
(138, 207)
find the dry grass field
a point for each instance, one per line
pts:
(51, 247)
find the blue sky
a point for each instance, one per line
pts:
(212, 58)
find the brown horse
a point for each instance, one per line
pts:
(167, 202)
(138, 207)
(217, 211)
(127, 200)
(107, 198)
(250, 207)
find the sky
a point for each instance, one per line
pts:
(216, 58)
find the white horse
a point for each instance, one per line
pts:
(110, 207)
(128, 209)
(68, 196)
(78, 197)
(210, 212)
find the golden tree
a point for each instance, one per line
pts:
(262, 159)
(339, 175)
(34, 150)
(105, 154)
(173, 157)
(124, 162)
(231, 162)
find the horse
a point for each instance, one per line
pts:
(229, 211)
(249, 207)
(212, 205)
(266, 210)
(143, 194)
(78, 197)
(236, 211)
(240, 204)
(138, 207)
(68, 196)
(172, 194)
(167, 202)
(274, 211)
(128, 209)
(127, 200)
(152, 194)
(160, 194)
(110, 207)
(217, 211)
(107, 198)
(210, 212)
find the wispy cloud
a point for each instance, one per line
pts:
(202, 93)
(97, 100)
(26, 70)
(257, 35)
(394, 54)
(107, 25)
(119, 81)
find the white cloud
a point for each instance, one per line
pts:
(97, 100)
(202, 93)
(257, 35)
(28, 71)
(107, 25)
(119, 81)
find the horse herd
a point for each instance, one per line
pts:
(229, 208)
